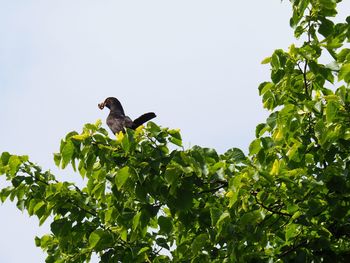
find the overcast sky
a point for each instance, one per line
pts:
(195, 63)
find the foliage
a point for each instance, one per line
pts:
(145, 200)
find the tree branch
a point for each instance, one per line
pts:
(270, 209)
(292, 248)
(213, 190)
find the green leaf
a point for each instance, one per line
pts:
(175, 133)
(236, 184)
(127, 139)
(343, 54)
(302, 5)
(31, 206)
(61, 227)
(95, 237)
(98, 123)
(215, 214)
(99, 138)
(275, 168)
(265, 87)
(67, 153)
(184, 199)
(271, 121)
(275, 61)
(143, 250)
(223, 218)
(5, 157)
(162, 242)
(233, 195)
(332, 109)
(44, 241)
(70, 134)
(136, 220)
(250, 218)
(293, 151)
(261, 129)
(344, 73)
(296, 215)
(277, 75)
(38, 206)
(266, 60)
(291, 231)
(81, 137)
(37, 241)
(90, 161)
(199, 242)
(328, 4)
(165, 224)
(4, 193)
(176, 141)
(255, 147)
(235, 155)
(57, 159)
(122, 176)
(100, 240)
(39, 209)
(172, 175)
(44, 216)
(153, 128)
(299, 30)
(326, 27)
(14, 163)
(17, 180)
(124, 234)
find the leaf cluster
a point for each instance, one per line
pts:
(141, 202)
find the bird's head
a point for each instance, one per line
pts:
(108, 103)
(113, 104)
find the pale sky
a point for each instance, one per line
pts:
(196, 64)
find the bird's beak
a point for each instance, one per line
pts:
(102, 105)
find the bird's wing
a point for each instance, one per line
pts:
(128, 122)
(115, 122)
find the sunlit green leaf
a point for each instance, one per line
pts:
(136, 220)
(95, 237)
(254, 147)
(121, 176)
(332, 109)
(291, 231)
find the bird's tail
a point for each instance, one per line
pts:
(142, 119)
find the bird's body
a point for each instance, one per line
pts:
(117, 121)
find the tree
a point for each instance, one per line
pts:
(287, 201)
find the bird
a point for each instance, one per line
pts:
(116, 119)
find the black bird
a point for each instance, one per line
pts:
(117, 121)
